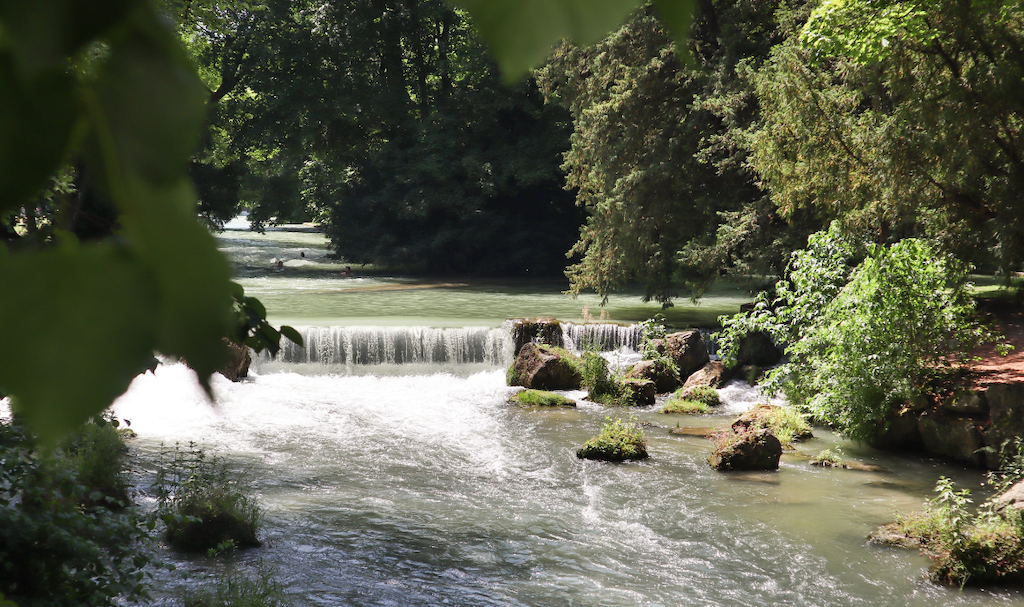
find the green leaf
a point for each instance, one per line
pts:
(191, 276)
(677, 15)
(521, 33)
(292, 335)
(44, 33)
(36, 121)
(147, 107)
(80, 316)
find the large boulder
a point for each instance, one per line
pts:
(545, 330)
(756, 450)
(686, 349)
(967, 402)
(901, 433)
(1006, 408)
(542, 367)
(1013, 498)
(756, 348)
(714, 374)
(951, 436)
(662, 376)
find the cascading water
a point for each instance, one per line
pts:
(351, 346)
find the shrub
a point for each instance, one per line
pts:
(201, 506)
(861, 343)
(237, 590)
(55, 551)
(684, 406)
(542, 398)
(95, 455)
(965, 549)
(618, 441)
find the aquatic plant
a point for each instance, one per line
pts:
(964, 548)
(828, 458)
(786, 423)
(202, 506)
(95, 455)
(618, 441)
(239, 590)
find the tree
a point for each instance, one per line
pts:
(903, 119)
(658, 154)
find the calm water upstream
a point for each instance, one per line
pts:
(405, 478)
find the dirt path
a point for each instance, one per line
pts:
(995, 369)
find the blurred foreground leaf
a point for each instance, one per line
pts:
(77, 327)
(521, 33)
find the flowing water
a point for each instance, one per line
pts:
(393, 471)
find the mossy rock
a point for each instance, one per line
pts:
(618, 442)
(226, 517)
(683, 406)
(757, 449)
(612, 450)
(541, 398)
(637, 392)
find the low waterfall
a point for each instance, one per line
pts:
(349, 346)
(602, 337)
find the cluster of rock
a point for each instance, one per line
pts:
(972, 425)
(543, 366)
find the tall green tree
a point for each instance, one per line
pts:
(657, 154)
(902, 119)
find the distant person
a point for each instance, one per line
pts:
(302, 254)
(348, 271)
(280, 264)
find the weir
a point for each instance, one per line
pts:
(348, 346)
(359, 345)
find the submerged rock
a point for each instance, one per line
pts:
(544, 368)
(754, 450)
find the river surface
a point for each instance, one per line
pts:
(406, 478)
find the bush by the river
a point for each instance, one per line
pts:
(965, 549)
(861, 341)
(618, 441)
(60, 545)
(203, 506)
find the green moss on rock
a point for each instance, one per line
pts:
(542, 398)
(618, 441)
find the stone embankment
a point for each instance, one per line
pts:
(978, 416)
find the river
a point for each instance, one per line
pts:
(411, 481)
